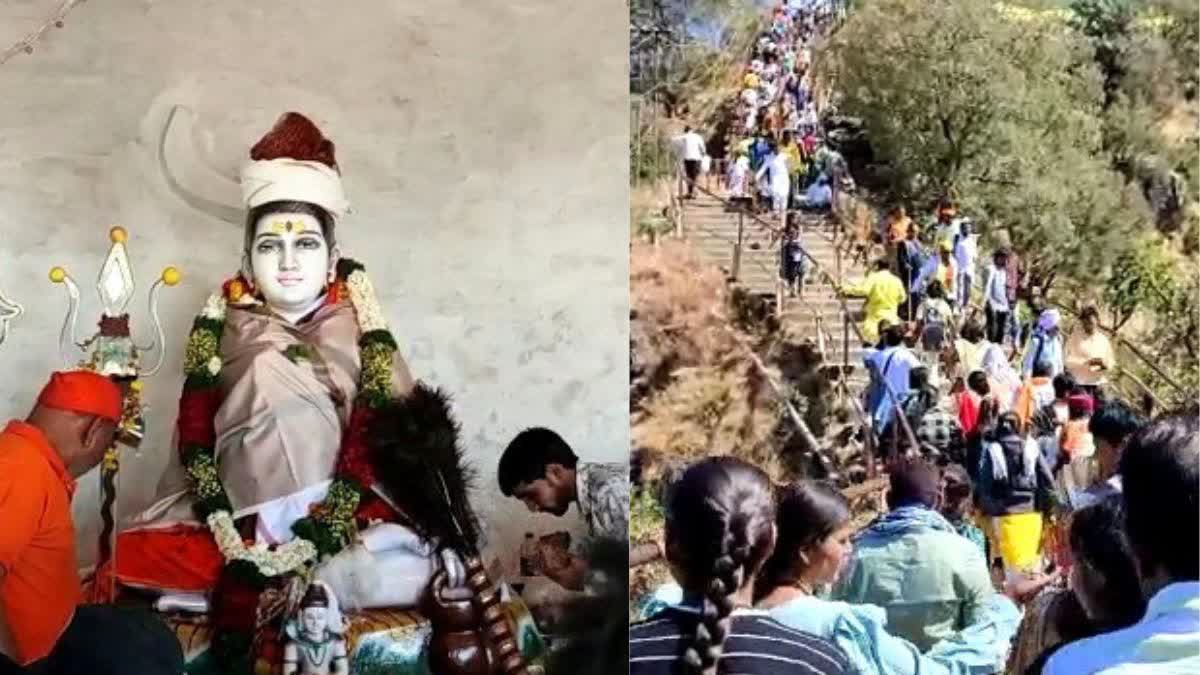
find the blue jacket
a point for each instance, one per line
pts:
(759, 151)
(1043, 347)
(932, 581)
(861, 631)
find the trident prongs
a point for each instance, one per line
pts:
(112, 350)
(68, 340)
(169, 277)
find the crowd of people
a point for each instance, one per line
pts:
(1021, 532)
(1004, 347)
(773, 578)
(778, 158)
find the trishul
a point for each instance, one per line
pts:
(111, 351)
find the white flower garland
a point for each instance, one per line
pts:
(366, 305)
(285, 558)
(214, 307)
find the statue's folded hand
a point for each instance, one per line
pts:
(456, 576)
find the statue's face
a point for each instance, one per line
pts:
(313, 620)
(290, 262)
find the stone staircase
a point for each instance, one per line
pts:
(713, 230)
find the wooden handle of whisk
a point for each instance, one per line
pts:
(495, 627)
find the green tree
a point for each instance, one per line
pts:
(1151, 297)
(1147, 52)
(1108, 24)
(1180, 27)
(1003, 109)
(1140, 277)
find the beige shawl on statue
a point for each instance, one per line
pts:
(281, 418)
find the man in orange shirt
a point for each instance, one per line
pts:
(42, 626)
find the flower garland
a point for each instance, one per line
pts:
(286, 558)
(330, 525)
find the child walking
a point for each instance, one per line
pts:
(791, 259)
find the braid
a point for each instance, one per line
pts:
(721, 515)
(727, 576)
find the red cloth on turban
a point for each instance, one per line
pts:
(294, 136)
(83, 391)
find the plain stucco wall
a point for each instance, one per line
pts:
(483, 146)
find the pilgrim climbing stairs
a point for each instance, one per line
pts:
(715, 228)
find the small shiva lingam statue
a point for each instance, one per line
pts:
(315, 641)
(111, 351)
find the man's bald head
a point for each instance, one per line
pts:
(78, 412)
(79, 438)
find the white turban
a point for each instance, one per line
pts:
(293, 180)
(1049, 319)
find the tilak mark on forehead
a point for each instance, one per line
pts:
(297, 226)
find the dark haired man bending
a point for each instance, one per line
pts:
(539, 468)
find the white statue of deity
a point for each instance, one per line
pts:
(277, 366)
(315, 641)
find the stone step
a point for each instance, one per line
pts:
(731, 220)
(758, 245)
(725, 224)
(833, 331)
(833, 341)
(831, 320)
(717, 222)
(815, 288)
(713, 232)
(821, 296)
(824, 258)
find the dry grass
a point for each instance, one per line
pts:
(1179, 125)
(711, 410)
(649, 219)
(695, 394)
(675, 301)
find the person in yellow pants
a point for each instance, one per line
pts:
(1019, 539)
(1012, 475)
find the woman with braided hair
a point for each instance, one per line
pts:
(720, 529)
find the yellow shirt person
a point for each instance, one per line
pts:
(884, 293)
(795, 159)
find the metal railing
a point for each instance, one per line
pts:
(842, 385)
(848, 325)
(834, 279)
(1120, 372)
